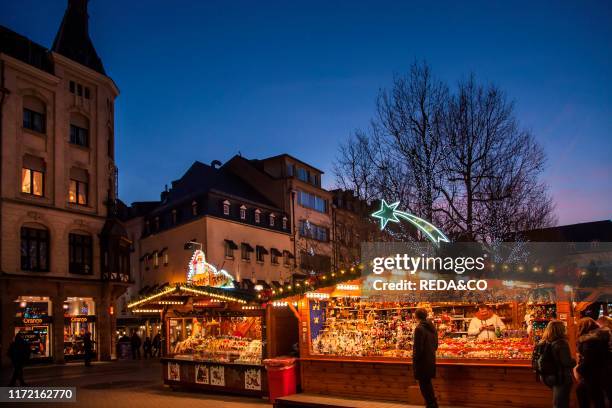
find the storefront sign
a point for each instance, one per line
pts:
(35, 320)
(202, 273)
(80, 319)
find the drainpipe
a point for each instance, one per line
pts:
(3, 94)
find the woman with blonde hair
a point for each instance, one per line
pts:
(557, 362)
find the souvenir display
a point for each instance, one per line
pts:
(354, 327)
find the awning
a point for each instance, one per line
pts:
(276, 252)
(289, 254)
(247, 247)
(231, 244)
(262, 250)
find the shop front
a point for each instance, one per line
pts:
(33, 320)
(79, 319)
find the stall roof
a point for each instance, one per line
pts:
(187, 289)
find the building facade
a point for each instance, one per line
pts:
(64, 258)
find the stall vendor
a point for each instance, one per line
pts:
(485, 324)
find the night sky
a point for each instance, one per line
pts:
(206, 80)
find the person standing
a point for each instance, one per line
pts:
(485, 323)
(135, 342)
(146, 348)
(87, 348)
(561, 361)
(425, 341)
(19, 353)
(593, 348)
(157, 345)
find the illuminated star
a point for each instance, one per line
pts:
(386, 213)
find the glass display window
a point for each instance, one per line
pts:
(226, 339)
(79, 319)
(33, 320)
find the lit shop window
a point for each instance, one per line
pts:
(79, 321)
(32, 182)
(243, 212)
(226, 207)
(33, 321)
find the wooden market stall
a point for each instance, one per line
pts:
(361, 348)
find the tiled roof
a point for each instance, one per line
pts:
(25, 50)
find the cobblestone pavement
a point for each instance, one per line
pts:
(131, 384)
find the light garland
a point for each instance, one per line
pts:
(170, 302)
(345, 286)
(147, 310)
(280, 304)
(317, 295)
(211, 294)
(250, 308)
(149, 298)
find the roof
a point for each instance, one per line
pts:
(584, 232)
(288, 156)
(72, 39)
(201, 178)
(25, 50)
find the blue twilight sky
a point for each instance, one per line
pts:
(203, 80)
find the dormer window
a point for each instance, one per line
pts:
(257, 216)
(272, 219)
(243, 212)
(194, 208)
(284, 222)
(226, 207)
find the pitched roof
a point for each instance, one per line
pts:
(72, 39)
(25, 50)
(201, 178)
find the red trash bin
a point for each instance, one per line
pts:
(281, 377)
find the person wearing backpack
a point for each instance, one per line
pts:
(553, 362)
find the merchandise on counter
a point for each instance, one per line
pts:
(222, 349)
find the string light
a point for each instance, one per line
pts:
(344, 286)
(170, 302)
(211, 294)
(149, 298)
(147, 310)
(280, 304)
(317, 295)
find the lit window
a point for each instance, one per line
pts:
(78, 192)
(243, 212)
(32, 182)
(226, 207)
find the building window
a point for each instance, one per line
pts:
(79, 130)
(260, 252)
(257, 216)
(230, 246)
(34, 249)
(286, 258)
(155, 259)
(274, 255)
(32, 182)
(226, 207)
(33, 120)
(272, 219)
(166, 258)
(245, 251)
(313, 231)
(290, 171)
(174, 217)
(78, 192)
(80, 254)
(156, 224)
(34, 117)
(284, 222)
(312, 201)
(302, 174)
(194, 208)
(243, 212)
(79, 136)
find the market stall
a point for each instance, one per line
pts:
(361, 347)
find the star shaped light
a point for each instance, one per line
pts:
(386, 213)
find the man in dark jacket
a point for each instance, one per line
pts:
(88, 348)
(424, 356)
(135, 343)
(593, 347)
(19, 353)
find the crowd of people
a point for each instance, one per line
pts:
(150, 347)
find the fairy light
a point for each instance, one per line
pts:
(250, 307)
(170, 302)
(280, 304)
(211, 294)
(317, 295)
(147, 310)
(345, 286)
(149, 298)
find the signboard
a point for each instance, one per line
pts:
(34, 320)
(201, 273)
(80, 319)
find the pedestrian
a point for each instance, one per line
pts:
(146, 347)
(157, 345)
(135, 343)
(87, 348)
(556, 362)
(594, 361)
(19, 354)
(424, 356)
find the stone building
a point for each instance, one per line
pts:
(64, 258)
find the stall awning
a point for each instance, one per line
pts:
(247, 247)
(262, 250)
(276, 252)
(183, 291)
(231, 244)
